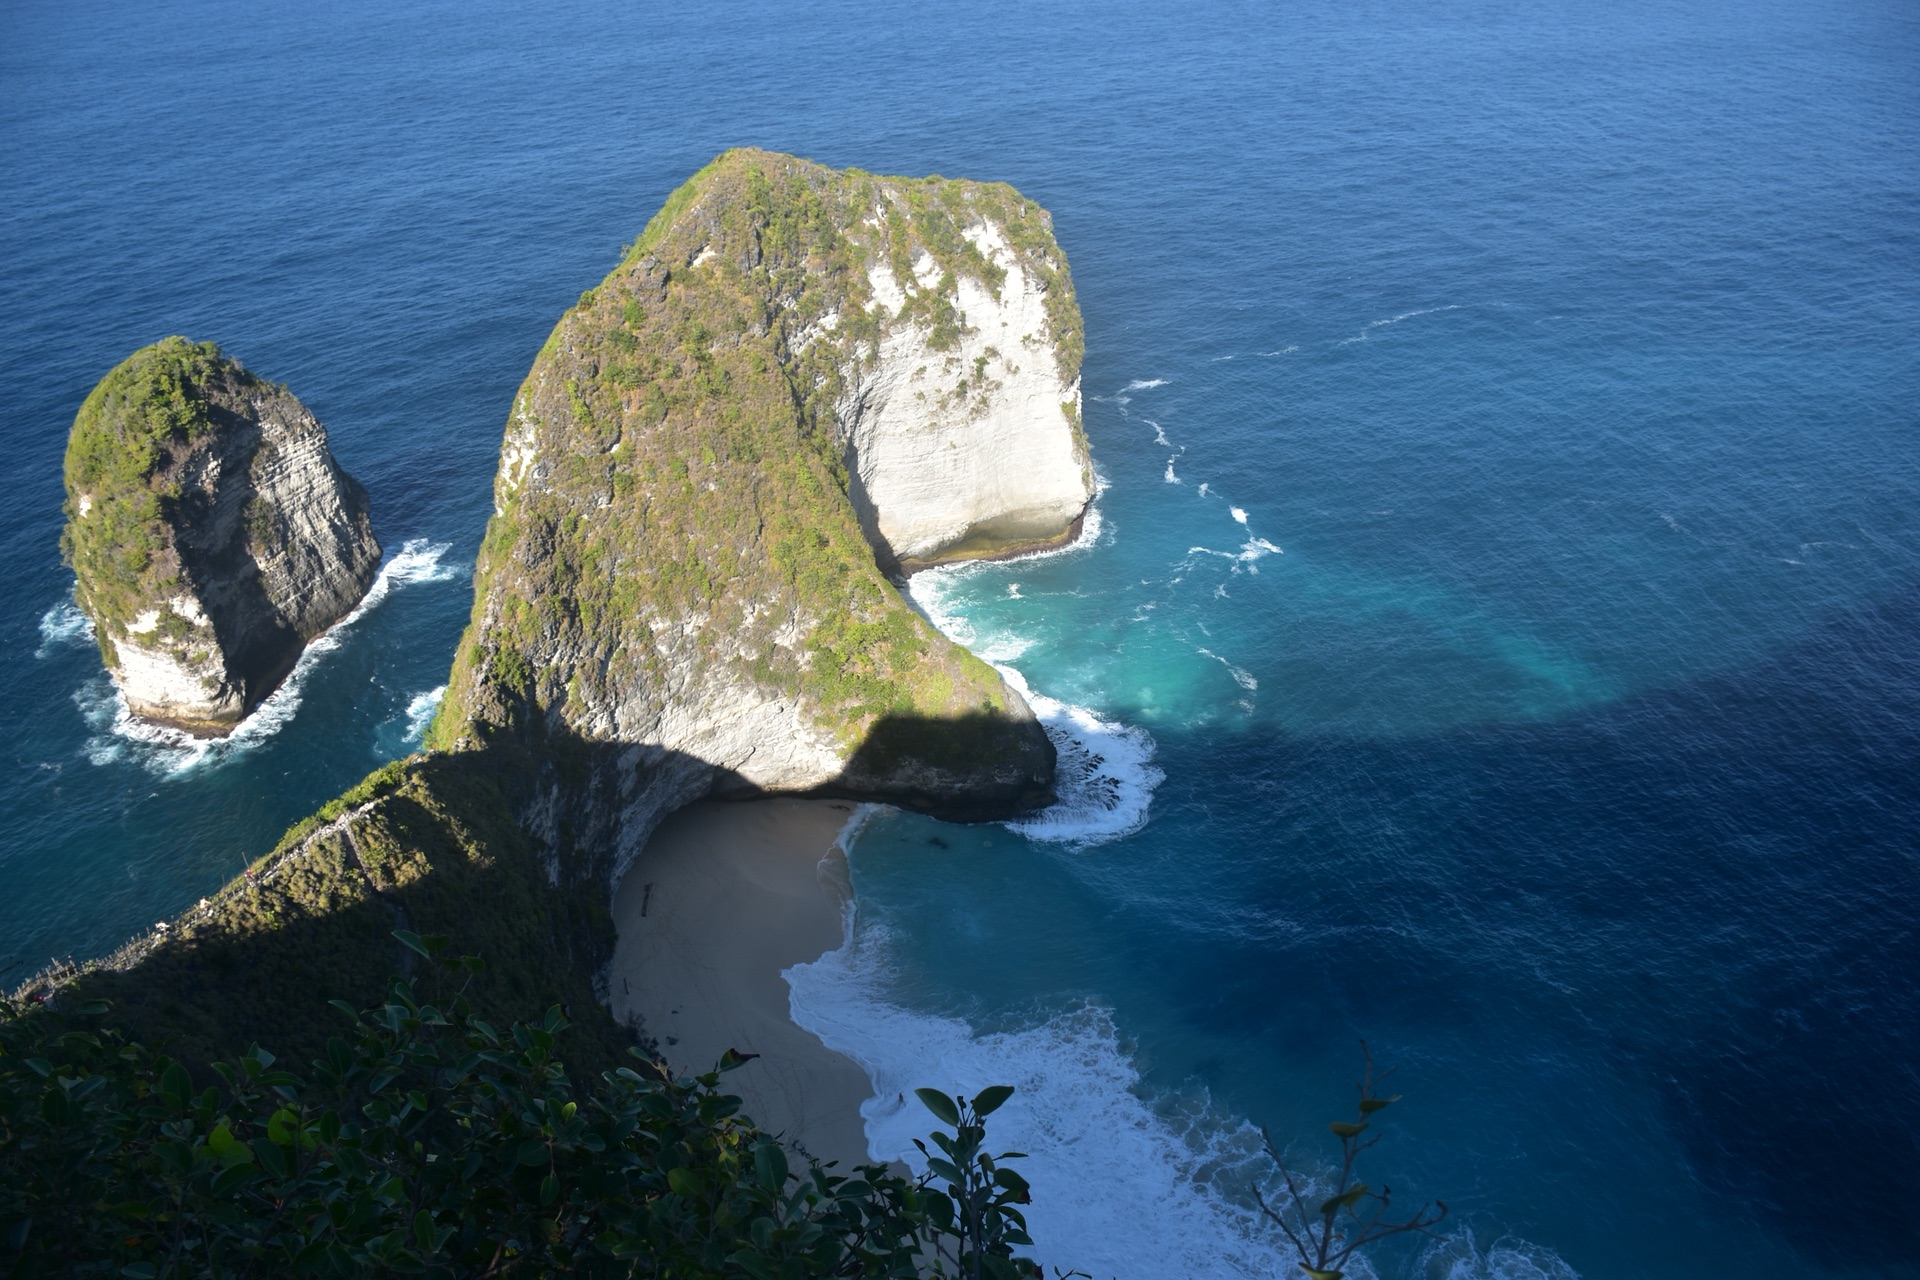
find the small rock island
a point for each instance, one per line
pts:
(211, 533)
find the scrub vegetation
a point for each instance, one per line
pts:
(426, 1140)
(122, 472)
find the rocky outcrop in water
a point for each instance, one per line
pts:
(796, 381)
(210, 531)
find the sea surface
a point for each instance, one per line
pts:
(1499, 639)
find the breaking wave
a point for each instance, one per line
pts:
(172, 752)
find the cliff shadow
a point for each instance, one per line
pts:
(976, 767)
(513, 851)
(440, 850)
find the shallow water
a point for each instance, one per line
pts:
(1498, 642)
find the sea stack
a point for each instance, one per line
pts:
(796, 384)
(210, 531)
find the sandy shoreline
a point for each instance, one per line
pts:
(724, 897)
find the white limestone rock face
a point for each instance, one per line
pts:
(971, 448)
(258, 540)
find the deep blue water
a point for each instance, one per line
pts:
(1534, 688)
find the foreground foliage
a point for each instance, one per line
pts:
(1327, 1232)
(428, 1142)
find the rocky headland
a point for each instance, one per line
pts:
(797, 380)
(211, 533)
(796, 385)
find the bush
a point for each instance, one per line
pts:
(428, 1142)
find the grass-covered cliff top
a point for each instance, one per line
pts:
(672, 497)
(123, 473)
(428, 845)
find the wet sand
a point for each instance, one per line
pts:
(724, 897)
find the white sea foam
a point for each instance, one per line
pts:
(1371, 325)
(1508, 1258)
(1170, 1198)
(1145, 384)
(1159, 435)
(420, 712)
(170, 752)
(1105, 775)
(1171, 478)
(1150, 1212)
(63, 627)
(1239, 515)
(1202, 490)
(1252, 550)
(1240, 676)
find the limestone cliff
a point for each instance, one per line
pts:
(210, 531)
(795, 378)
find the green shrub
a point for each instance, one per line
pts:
(425, 1141)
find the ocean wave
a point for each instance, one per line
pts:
(1252, 550)
(172, 753)
(420, 712)
(1371, 325)
(1149, 1210)
(1508, 1258)
(1171, 1195)
(1240, 676)
(64, 627)
(936, 592)
(1105, 775)
(1124, 396)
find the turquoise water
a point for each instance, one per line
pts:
(1498, 641)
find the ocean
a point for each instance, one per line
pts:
(1498, 641)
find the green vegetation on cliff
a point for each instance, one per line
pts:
(673, 500)
(121, 473)
(429, 845)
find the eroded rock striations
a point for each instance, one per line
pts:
(796, 380)
(210, 531)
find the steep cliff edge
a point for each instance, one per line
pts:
(210, 531)
(796, 378)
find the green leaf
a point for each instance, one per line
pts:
(1370, 1105)
(221, 1140)
(733, 1058)
(1345, 1129)
(92, 1009)
(940, 1104)
(1344, 1201)
(683, 1183)
(1321, 1275)
(413, 942)
(282, 1126)
(423, 1231)
(771, 1164)
(229, 1180)
(175, 1085)
(989, 1100)
(549, 1189)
